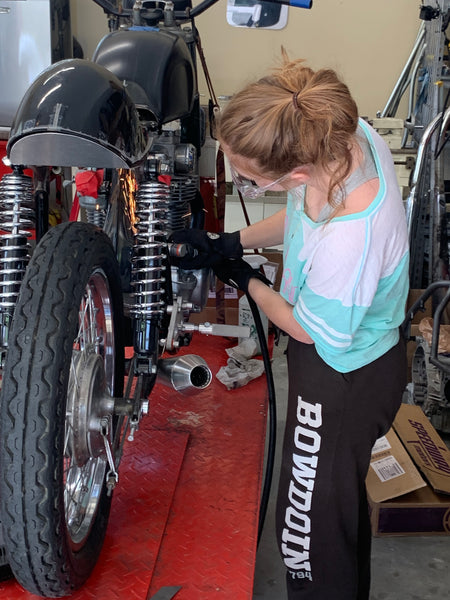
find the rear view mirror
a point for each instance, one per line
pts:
(254, 14)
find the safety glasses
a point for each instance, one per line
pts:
(249, 188)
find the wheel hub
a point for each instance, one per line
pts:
(90, 407)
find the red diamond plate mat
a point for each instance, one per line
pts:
(185, 512)
(147, 480)
(210, 546)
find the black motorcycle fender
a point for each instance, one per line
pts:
(77, 113)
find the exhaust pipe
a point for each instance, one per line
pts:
(187, 374)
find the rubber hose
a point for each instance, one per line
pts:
(272, 416)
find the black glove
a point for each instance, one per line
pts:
(237, 273)
(206, 249)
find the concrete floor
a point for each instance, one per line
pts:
(403, 568)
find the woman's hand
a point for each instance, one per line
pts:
(238, 273)
(205, 249)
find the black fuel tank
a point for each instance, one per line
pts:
(76, 113)
(157, 69)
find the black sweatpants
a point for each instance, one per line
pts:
(333, 420)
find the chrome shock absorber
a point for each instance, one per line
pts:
(148, 263)
(95, 214)
(17, 217)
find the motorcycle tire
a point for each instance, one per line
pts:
(63, 367)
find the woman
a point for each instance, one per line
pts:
(341, 302)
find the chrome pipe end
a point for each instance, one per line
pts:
(187, 374)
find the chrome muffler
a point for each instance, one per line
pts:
(187, 374)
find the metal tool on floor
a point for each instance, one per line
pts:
(166, 593)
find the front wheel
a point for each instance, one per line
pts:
(63, 368)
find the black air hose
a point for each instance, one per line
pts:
(272, 415)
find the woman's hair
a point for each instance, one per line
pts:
(293, 117)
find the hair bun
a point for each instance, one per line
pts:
(295, 100)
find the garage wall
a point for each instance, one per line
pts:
(367, 42)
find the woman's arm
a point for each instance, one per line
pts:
(268, 232)
(277, 310)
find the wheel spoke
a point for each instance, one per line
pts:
(81, 495)
(82, 470)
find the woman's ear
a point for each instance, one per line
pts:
(301, 175)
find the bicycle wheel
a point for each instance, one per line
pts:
(64, 366)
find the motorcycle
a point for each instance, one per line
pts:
(129, 126)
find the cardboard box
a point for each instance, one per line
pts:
(425, 446)
(392, 472)
(276, 258)
(405, 503)
(422, 512)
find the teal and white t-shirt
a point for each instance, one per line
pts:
(347, 277)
